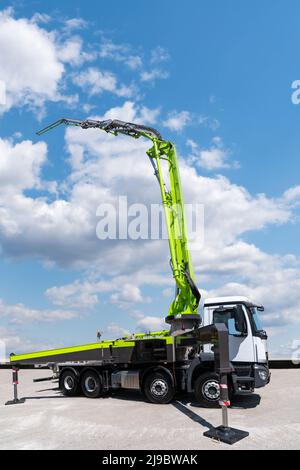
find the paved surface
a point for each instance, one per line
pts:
(124, 421)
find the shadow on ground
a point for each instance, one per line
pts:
(192, 415)
(183, 402)
(237, 402)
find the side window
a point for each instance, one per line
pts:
(222, 315)
(236, 315)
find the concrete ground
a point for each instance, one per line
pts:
(124, 421)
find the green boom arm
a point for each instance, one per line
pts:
(187, 295)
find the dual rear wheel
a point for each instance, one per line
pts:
(157, 387)
(90, 383)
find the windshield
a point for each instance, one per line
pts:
(255, 319)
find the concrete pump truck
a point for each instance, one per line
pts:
(226, 347)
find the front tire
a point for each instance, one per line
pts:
(91, 384)
(207, 390)
(158, 388)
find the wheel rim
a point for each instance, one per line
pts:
(69, 382)
(211, 390)
(159, 388)
(90, 384)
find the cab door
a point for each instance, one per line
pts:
(241, 348)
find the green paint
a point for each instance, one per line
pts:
(119, 343)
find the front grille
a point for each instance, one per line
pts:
(242, 370)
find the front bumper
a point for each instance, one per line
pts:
(246, 378)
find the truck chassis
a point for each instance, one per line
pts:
(158, 364)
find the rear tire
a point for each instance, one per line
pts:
(158, 388)
(92, 384)
(69, 383)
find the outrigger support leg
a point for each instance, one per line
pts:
(15, 381)
(224, 433)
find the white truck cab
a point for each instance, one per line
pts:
(248, 350)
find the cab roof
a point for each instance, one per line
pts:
(227, 299)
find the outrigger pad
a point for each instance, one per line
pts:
(17, 401)
(227, 435)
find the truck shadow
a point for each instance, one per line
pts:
(128, 395)
(237, 402)
(192, 415)
(246, 401)
(45, 397)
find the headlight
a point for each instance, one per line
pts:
(263, 375)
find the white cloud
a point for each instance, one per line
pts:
(95, 82)
(128, 294)
(214, 158)
(19, 313)
(270, 280)
(75, 295)
(292, 194)
(14, 343)
(120, 53)
(154, 74)
(130, 111)
(168, 292)
(29, 65)
(116, 331)
(176, 121)
(209, 122)
(33, 69)
(40, 18)
(147, 115)
(133, 59)
(74, 23)
(159, 55)
(87, 294)
(33, 61)
(151, 323)
(71, 51)
(20, 165)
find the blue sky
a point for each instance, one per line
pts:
(215, 77)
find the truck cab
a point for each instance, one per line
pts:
(248, 351)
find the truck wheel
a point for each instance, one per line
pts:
(68, 383)
(158, 388)
(207, 390)
(91, 384)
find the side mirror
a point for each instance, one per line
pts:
(263, 334)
